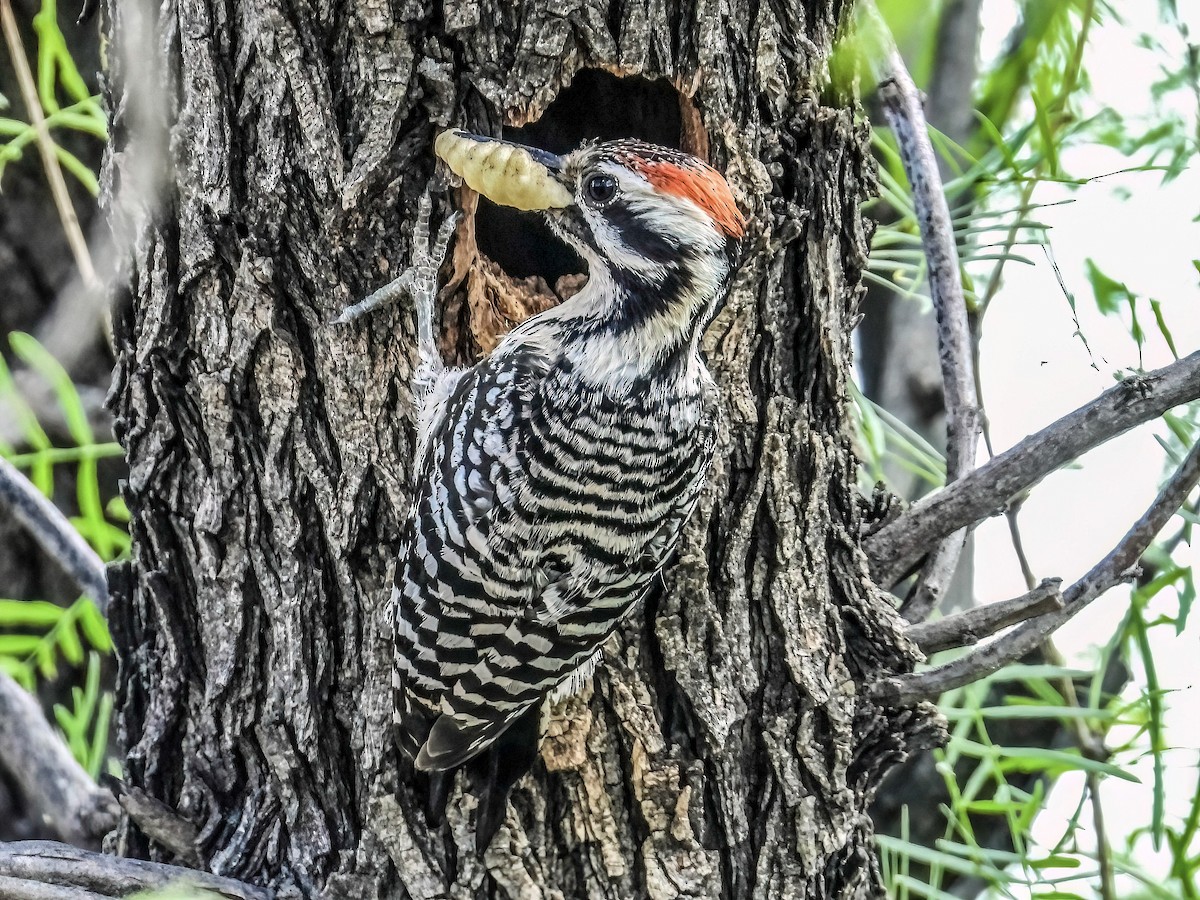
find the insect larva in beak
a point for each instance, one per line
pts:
(505, 173)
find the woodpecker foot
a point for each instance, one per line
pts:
(419, 280)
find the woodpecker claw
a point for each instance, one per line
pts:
(419, 280)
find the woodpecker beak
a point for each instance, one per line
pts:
(506, 173)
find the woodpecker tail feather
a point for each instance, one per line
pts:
(493, 773)
(451, 742)
(435, 801)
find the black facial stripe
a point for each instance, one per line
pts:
(639, 237)
(642, 295)
(571, 226)
(642, 298)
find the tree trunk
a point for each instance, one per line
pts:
(725, 749)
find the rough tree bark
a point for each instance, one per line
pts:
(726, 749)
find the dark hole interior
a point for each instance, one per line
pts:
(596, 104)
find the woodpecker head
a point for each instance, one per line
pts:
(658, 228)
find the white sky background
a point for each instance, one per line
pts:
(1034, 369)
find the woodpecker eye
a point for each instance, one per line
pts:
(600, 188)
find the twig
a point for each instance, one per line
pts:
(49, 778)
(71, 869)
(46, 147)
(1018, 544)
(1117, 566)
(51, 529)
(902, 108)
(972, 626)
(987, 491)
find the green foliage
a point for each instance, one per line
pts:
(884, 438)
(108, 540)
(85, 724)
(1034, 108)
(994, 789)
(38, 639)
(57, 77)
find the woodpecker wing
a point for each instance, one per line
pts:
(469, 568)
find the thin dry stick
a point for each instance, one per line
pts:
(47, 147)
(970, 627)
(902, 108)
(1119, 565)
(988, 490)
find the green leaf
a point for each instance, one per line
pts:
(42, 474)
(78, 168)
(18, 670)
(29, 613)
(1039, 759)
(1187, 598)
(1021, 711)
(1046, 130)
(1156, 307)
(117, 510)
(43, 362)
(70, 646)
(19, 645)
(94, 626)
(1156, 728)
(1019, 672)
(939, 858)
(100, 735)
(1110, 294)
(1058, 861)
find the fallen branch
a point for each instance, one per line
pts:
(903, 110)
(48, 777)
(51, 529)
(1118, 566)
(44, 869)
(972, 626)
(895, 548)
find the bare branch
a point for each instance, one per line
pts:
(974, 625)
(49, 778)
(52, 530)
(1117, 566)
(989, 489)
(904, 113)
(83, 875)
(935, 578)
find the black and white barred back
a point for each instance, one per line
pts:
(546, 507)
